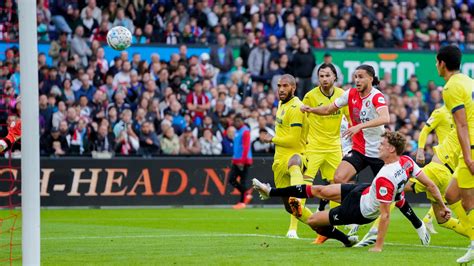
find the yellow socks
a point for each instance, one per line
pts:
(456, 226)
(296, 178)
(293, 223)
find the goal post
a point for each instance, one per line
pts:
(30, 164)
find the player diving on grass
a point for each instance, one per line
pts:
(290, 141)
(363, 203)
(458, 95)
(323, 150)
(14, 133)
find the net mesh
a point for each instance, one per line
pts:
(10, 186)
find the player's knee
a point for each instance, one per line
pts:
(312, 222)
(340, 179)
(294, 160)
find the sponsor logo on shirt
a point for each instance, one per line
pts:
(383, 191)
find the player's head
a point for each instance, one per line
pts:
(327, 75)
(448, 59)
(365, 78)
(286, 87)
(393, 143)
(238, 121)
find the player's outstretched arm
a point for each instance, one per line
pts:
(383, 226)
(321, 110)
(433, 189)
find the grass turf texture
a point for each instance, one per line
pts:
(219, 237)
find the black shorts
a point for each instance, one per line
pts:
(360, 162)
(349, 210)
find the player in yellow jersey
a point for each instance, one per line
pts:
(441, 121)
(291, 129)
(457, 96)
(323, 150)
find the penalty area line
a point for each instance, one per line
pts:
(225, 235)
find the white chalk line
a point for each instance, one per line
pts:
(226, 235)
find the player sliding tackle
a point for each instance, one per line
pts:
(363, 203)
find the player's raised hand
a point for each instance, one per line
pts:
(420, 156)
(305, 108)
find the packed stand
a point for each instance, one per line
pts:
(409, 24)
(184, 106)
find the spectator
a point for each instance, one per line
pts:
(169, 142)
(46, 113)
(86, 88)
(303, 65)
(59, 115)
(188, 143)
(386, 40)
(149, 143)
(95, 11)
(272, 27)
(79, 46)
(79, 139)
(53, 143)
(246, 48)
(197, 103)
(126, 139)
(228, 141)
(259, 59)
(259, 146)
(210, 145)
(222, 58)
(122, 20)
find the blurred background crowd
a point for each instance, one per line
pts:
(184, 106)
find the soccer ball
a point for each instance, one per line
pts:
(119, 38)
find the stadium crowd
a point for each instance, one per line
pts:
(147, 106)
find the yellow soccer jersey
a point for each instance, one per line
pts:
(449, 150)
(457, 94)
(324, 130)
(441, 121)
(290, 129)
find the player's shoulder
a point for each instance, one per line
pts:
(338, 91)
(458, 82)
(406, 162)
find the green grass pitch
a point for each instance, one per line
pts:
(217, 236)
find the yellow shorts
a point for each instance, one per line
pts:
(281, 174)
(463, 175)
(326, 162)
(439, 174)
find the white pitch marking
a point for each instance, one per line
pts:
(227, 235)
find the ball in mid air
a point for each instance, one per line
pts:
(119, 38)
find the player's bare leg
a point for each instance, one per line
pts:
(344, 173)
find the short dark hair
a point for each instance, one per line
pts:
(451, 56)
(330, 66)
(397, 140)
(371, 71)
(238, 116)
